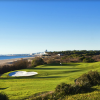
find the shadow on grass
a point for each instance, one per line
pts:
(49, 77)
(69, 64)
(43, 75)
(71, 71)
(51, 68)
(3, 88)
(89, 90)
(45, 67)
(32, 77)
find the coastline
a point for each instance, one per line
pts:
(10, 61)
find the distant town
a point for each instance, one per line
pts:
(31, 54)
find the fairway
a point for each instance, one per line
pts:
(48, 77)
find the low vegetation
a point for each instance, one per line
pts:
(37, 61)
(92, 78)
(3, 96)
(20, 64)
(77, 55)
(76, 52)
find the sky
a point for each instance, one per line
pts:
(34, 26)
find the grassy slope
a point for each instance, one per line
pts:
(47, 79)
(93, 95)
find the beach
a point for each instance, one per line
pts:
(10, 61)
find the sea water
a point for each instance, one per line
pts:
(12, 57)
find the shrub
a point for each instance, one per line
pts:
(51, 61)
(3, 96)
(82, 58)
(85, 78)
(96, 57)
(21, 64)
(64, 89)
(37, 61)
(88, 60)
(15, 66)
(44, 96)
(92, 78)
(81, 88)
(68, 89)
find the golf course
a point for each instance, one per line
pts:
(48, 77)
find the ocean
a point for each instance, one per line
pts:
(12, 57)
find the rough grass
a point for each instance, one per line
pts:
(92, 95)
(48, 78)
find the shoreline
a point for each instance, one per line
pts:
(10, 61)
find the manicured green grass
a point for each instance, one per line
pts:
(49, 76)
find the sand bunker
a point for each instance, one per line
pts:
(22, 73)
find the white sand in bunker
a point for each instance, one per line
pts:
(22, 73)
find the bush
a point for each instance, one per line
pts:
(3, 96)
(37, 61)
(85, 78)
(64, 89)
(92, 78)
(51, 61)
(88, 60)
(21, 64)
(81, 88)
(44, 96)
(82, 58)
(68, 89)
